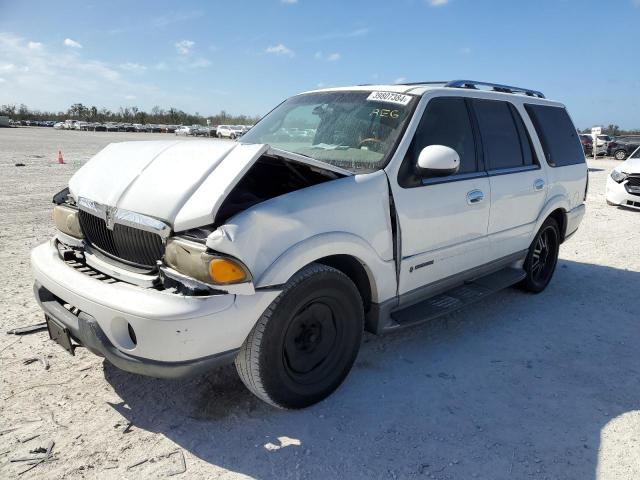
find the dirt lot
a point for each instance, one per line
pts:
(520, 386)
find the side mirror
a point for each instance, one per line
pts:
(438, 161)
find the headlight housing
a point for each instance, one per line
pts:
(618, 176)
(66, 220)
(193, 260)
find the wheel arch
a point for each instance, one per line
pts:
(557, 208)
(352, 255)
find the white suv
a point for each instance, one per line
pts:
(229, 131)
(406, 203)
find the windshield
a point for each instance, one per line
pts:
(353, 130)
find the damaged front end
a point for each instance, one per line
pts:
(119, 245)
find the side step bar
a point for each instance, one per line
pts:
(456, 298)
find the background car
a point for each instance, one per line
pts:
(621, 147)
(602, 142)
(229, 131)
(183, 130)
(623, 183)
(587, 144)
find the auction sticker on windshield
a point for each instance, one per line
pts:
(389, 97)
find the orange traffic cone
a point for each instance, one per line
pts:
(60, 158)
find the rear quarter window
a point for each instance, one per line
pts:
(557, 134)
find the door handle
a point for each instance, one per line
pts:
(475, 196)
(538, 184)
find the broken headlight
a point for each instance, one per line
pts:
(193, 260)
(66, 220)
(618, 177)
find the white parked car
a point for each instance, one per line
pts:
(59, 125)
(602, 144)
(408, 202)
(183, 130)
(229, 131)
(623, 184)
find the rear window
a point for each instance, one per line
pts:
(504, 137)
(557, 134)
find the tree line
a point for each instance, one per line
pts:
(170, 116)
(614, 131)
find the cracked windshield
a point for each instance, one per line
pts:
(353, 130)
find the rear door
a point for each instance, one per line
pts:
(518, 183)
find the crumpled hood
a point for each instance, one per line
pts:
(179, 182)
(630, 165)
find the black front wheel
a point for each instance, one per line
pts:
(542, 257)
(305, 343)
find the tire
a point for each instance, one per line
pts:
(304, 344)
(542, 257)
(232, 136)
(620, 154)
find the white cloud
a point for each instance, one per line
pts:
(635, 3)
(160, 66)
(2, 80)
(289, 2)
(34, 45)
(130, 97)
(200, 63)
(280, 50)
(437, 3)
(332, 57)
(184, 47)
(54, 78)
(133, 67)
(400, 80)
(71, 43)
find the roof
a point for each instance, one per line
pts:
(420, 88)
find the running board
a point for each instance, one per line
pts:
(456, 298)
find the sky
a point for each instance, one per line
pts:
(245, 56)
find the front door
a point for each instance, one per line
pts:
(442, 220)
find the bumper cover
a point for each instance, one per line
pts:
(170, 329)
(86, 331)
(617, 194)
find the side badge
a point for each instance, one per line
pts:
(420, 265)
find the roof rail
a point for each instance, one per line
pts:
(443, 82)
(472, 84)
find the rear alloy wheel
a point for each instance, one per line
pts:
(305, 343)
(542, 257)
(620, 155)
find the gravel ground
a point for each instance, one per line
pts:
(519, 386)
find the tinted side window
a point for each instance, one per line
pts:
(446, 122)
(499, 134)
(557, 134)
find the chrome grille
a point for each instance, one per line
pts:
(131, 245)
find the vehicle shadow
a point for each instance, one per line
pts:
(517, 386)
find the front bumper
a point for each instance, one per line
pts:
(173, 332)
(617, 194)
(87, 332)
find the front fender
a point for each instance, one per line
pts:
(381, 273)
